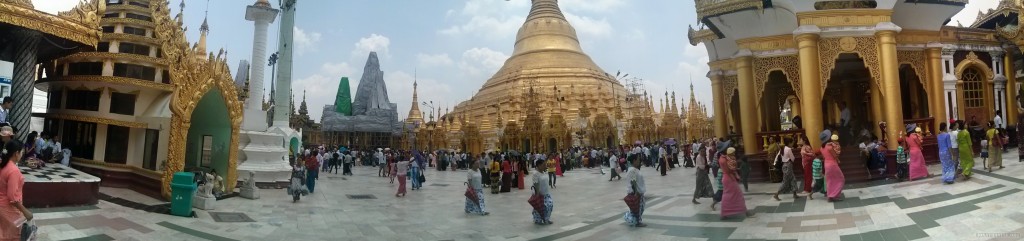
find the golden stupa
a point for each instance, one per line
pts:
(548, 73)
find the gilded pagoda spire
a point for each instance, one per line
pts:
(414, 110)
(674, 106)
(302, 107)
(204, 29)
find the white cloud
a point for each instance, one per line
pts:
(373, 43)
(592, 5)
(400, 91)
(486, 26)
(479, 63)
(54, 6)
(493, 19)
(305, 41)
(589, 26)
(694, 67)
(970, 12)
(437, 60)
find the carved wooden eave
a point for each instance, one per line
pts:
(700, 36)
(80, 24)
(1004, 9)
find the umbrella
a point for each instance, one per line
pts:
(670, 141)
(637, 143)
(911, 127)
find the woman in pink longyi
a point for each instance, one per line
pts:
(834, 179)
(918, 169)
(732, 193)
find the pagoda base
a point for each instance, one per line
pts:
(264, 155)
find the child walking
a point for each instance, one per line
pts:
(902, 167)
(984, 154)
(818, 171)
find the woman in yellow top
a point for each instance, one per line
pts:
(995, 148)
(551, 171)
(495, 177)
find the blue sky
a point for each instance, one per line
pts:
(454, 46)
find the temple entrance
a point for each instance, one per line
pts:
(552, 145)
(772, 102)
(526, 146)
(209, 135)
(974, 97)
(915, 99)
(848, 87)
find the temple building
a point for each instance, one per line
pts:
(370, 121)
(897, 62)
(146, 103)
(548, 82)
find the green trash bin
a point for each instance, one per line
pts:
(183, 188)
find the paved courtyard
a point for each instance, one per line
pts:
(587, 207)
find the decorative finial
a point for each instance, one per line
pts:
(205, 28)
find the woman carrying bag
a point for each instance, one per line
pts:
(635, 196)
(541, 200)
(14, 217)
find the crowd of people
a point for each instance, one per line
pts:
(723, 159)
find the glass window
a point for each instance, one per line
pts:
(121, 103)
(135, 71)
(85, 68)
(80, 137)
(115, 2)
(139, 3)
(138, 16)
(108, 29)
(135, 31)
(117, 144)
(152, 145)
(83, 100)
(112, 15)
(103, 47)
(56, 97)
(133, 49)
(973, 96)
(166, 77)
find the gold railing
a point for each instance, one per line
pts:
(777, 136)
(925, 124)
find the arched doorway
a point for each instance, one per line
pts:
(609, 142)
(915, 99)
(974, 95)
(848, 87)
(777, 90)
(294, 147)
(552, 145)
(526, 145)
(209, 136)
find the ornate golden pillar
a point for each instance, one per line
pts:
(1011, 90)
(877, 109)
(937, 99)
(745, 79)
(718, 97)
(794, 106)
(810, 82)
(886, 36)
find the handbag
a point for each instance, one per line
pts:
(422, 178)
(471, 194)
(536, 201)
(28, 231)
(633, 198)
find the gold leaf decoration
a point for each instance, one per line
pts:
(829, 50)
(789, 65)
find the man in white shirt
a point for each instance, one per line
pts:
(5, 108)
(613, 162)
(953, 132)
(381, 162)
(998, 121)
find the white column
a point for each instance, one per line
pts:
(999, 84)
(261, 17)
(949, 83)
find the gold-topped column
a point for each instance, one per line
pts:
(886, 37)
(877, 109)
(937, 99)
(810, 82)
(1012, 109)
(718, 97)
(745, 84)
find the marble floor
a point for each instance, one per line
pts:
(587, 207)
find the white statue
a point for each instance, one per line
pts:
(206, 190)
